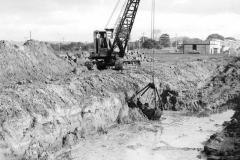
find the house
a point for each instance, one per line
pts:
(205, 47)
(232, 44)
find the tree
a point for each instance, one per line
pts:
(143, 39)
(85, 47)
(215, 36)
(150, 43)
(175, 43)
(185, 39)
(157, 45)
(157, 33)
(74, 46)
(55, 47)
(136, 44)
(88, 46)
(231, 38)
(194, 40)
(165, 40)
(133, 45)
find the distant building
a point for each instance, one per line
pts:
(232, 44)
(205, 47)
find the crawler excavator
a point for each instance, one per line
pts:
(110, 44)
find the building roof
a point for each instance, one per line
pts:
(201, 43)
(197, 43)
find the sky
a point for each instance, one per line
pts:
(75, 20)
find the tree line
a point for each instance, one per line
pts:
(163, 41)
(73, 46)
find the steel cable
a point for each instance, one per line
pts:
(112, 13)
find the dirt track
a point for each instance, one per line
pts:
(46, 107)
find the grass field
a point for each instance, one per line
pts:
(164, 55)
(175, 56)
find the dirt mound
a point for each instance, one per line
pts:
(136, 114)
(30, 62)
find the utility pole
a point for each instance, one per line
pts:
(176, 42)
(143, 36)
(139, 44)
(63, 43)
(30, 35)
(60, 43)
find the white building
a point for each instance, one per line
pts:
(230, 45)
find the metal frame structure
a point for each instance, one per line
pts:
(125, 27)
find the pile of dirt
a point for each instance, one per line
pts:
(225, 145)
(136, 114)
(34, 61)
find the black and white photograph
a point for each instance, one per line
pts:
(120, 80)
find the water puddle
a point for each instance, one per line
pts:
(174, 137)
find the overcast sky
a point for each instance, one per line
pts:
(75, 20)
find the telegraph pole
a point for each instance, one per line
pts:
(59, 43)
(129, 43)
(143, 36)
(139, 44)
(30, 35)
(176, 42)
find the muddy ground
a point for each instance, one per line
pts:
(174, 137)
(46, 107)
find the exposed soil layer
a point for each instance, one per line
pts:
(45, 106)
(226, 145)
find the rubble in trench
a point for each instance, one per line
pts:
(38, 118)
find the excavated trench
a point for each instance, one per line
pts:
(174, 137)
(44, 119)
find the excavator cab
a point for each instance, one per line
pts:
(102, 42)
